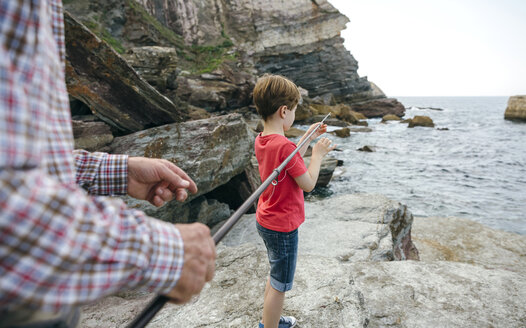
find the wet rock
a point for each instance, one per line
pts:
(390, 117)
(328, 164)
(294, 133)
(342, 133)
(331, 121)
(419, 120)
(355, 129)
(101, 79)
(379, 107)
(212, 151)
(516, 110)
(351, 116)
(366, 149)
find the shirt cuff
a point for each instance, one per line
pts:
(112, 178)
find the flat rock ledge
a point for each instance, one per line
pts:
(341, 281)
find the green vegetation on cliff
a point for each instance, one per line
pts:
(196, 59)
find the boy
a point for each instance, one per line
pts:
(280, 208)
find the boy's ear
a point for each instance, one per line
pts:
(282, 110)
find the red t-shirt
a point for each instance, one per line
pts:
(280, 207)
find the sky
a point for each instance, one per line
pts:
(438, 47)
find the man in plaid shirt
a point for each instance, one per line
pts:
(62, 243)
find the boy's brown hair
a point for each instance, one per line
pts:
(273, 91)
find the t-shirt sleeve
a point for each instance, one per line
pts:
(296, 166)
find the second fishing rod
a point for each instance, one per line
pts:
(159, 301)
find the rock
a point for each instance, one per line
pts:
(489, 290)
(331, 121)
(91, 136)
(157, 65)
(366, 149)
(211, 151)
(421, 121)
(466, 241)
(227, 89)
(360, 227)
(438, 294)
(342, 133)
(348, 115)
(354, 129)
(328, 164)
(236, 191)
(100, 78)
(516, 109)
(379, 107)
(326, 99)
(294, 132)
(390, 117)
(196, 113)
(303, 111)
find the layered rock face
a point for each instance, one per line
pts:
(103, 80)
(516, 109)
(299, 39)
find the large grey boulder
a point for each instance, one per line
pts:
(211, 151)
(347, 228)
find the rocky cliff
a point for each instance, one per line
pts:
(299, 39)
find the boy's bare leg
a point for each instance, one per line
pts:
(272, 306)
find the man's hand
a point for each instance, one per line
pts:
(199, 261)
(157, 180)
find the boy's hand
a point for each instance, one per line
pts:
(323, 147)
(319, 132)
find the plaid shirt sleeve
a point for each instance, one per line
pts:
(101, 173)
(60, 246)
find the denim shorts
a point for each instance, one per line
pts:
(282, 250)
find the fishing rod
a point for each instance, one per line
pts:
(159, 301)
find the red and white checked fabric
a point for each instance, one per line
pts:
(61, 245)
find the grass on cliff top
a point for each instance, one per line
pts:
(195, 59)
(103, 34)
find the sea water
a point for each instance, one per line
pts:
(471, 165)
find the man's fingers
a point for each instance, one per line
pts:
(164, 193)
(181, 194)
(178, 178)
